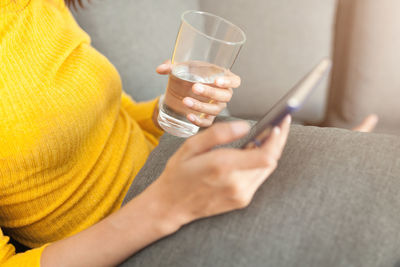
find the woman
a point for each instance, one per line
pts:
(71, 143)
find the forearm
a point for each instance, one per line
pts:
(139, 223)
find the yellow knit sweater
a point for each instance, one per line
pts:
(70, 144)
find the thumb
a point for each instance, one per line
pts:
(218, 134)
(164, 68)
(368, 124)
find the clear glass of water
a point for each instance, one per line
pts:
(206, 48)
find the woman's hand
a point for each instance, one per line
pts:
(368, 124)
(199, 182)
(218, 95)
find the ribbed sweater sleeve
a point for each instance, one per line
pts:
(142, 113)
(69, 149)
(8, 257)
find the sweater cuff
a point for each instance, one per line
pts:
(142, 113)
(30, 257)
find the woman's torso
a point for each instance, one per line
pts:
(68, 151)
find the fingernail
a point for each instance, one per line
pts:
(221, 81)
(199, 88)
(192, 117)
(163, 66)
(374, 117)
(276, 130)
(188, 102)
(289, 119)
(240, 127)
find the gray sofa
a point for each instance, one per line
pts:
(333, 200)
(285, 39)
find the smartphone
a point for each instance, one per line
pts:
(288, 104)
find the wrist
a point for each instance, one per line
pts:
(165, 208)
(155, 114)
(162, 216)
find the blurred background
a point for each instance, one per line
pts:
(285, 39)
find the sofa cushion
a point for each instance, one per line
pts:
(136, 36)
(285, 39)
(333, 201)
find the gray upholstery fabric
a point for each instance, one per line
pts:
(333, 201)
(136, 36)
(285, 38)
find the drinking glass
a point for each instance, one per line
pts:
(206, 48)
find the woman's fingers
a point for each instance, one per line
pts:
(368, 124)
(164, 68)
(285, 128)
(276, 141)
(212, 108)
(230, 80)
(219, 95)
(223, 133)
(218, 134)
(242, 159)
(214, 93)
(201, 121)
